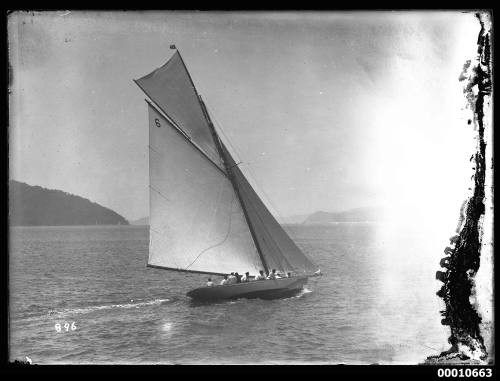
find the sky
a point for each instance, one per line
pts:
(325, 110)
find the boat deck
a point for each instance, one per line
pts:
(265, 289)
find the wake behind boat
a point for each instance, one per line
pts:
(205, 217)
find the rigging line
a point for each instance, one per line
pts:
(263, 226)
(156, 231)
(265, 195)
(195, 87)
(157, 191)
(152, 149)
(306, 259)
(221, 242)
(250, 172)
(222, 154)
(228, 141)
(267, 199)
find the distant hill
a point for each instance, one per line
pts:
(141, 221)
(36, 206)
(351, 215)
(295, 219)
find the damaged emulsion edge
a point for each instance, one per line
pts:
(462, 259)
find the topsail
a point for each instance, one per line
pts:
(204, 215)
(171, 88)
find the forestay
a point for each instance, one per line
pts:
(196, 221)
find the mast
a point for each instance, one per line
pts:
(230, 214)
(235, 185)
(228, 169)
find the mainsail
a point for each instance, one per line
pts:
(196, 221)
(204, 215)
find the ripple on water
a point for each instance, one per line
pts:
(128, 313)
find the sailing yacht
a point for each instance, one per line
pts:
(205, 217)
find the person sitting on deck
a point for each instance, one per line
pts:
(224, 281)
(289, 275)
(261, 276)
(231, 279)
(246, 277)
(238, 277)
(210, 283)
(272, 275)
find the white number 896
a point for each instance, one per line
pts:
(66, 327)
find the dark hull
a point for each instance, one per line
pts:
(263, 289)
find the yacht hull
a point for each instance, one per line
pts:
(264, 289)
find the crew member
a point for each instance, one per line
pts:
(261, 276)
(272, 275)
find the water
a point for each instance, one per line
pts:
(95, 279)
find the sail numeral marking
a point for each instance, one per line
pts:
(157, 122)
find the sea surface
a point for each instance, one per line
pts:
(83, 295)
